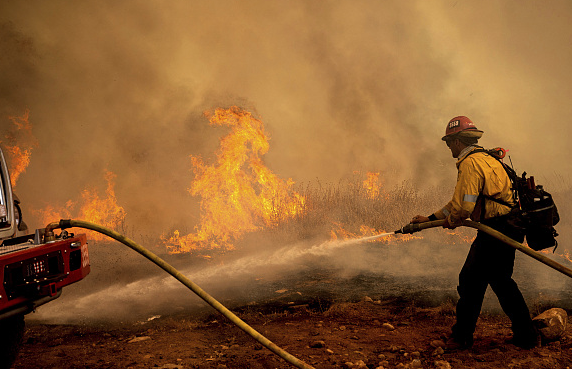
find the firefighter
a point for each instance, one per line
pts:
(481, 182)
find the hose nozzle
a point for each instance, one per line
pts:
(410, 228)
(416, 227)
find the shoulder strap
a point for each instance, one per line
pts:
(478, 149)
(509, 171)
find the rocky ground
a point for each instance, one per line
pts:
(127, 314)
(365, 334)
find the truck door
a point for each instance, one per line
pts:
(7, 220)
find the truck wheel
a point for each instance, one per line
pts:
(11, 337)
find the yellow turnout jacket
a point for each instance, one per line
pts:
(478, 173)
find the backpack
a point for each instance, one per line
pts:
(535, 212)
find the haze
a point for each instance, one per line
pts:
(341, 86)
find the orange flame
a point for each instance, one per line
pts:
(372, 185)
(18, 146)
(105, 211)
(461, 235)
(92, 208)
(550, 251)
(341, 233)
(239, 194)
(566, 256)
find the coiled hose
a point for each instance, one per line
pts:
(69, 223)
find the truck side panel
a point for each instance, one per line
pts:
(41, 271)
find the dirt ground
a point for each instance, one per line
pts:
(361, 334)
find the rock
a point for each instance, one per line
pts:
(367, 299)
(442, 364)
(437, 343)
(551, 324)
(388, 326)
(318, 344)
(329, 351)
(56, 342)
(415, 363)
(438, 351)
(393, 348)
(381, 356)
(139, 339)
(416, 354)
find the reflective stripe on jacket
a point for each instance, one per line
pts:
(477, 173)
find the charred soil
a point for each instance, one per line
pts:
(364, 334)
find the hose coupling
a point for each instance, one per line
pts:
(49, 235)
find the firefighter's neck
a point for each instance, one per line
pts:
(458, 148)
(464, 151)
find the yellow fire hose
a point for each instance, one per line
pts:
(415, 227)
(410, 228)
(181, 278)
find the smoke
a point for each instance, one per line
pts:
(343, 86)
(419, 271)
(305, 270)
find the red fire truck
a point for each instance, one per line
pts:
(32, 272)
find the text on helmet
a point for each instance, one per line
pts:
(454, 123)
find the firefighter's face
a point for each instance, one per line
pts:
(455, 146)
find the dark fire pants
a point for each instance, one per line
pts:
(490, 262)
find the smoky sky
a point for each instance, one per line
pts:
(341, 86)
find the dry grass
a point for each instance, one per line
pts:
(349, 206)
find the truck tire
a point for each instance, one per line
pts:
(11, 337)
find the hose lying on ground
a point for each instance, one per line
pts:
(69, 223)
(410, 228)
(415, 227)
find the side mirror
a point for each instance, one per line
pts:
(7, 220)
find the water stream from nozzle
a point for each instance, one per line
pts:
(370, 238)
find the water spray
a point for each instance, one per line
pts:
(69, 223)
(371, 238)
(416, 227)
(408, 229)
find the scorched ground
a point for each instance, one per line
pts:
(390, 334)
